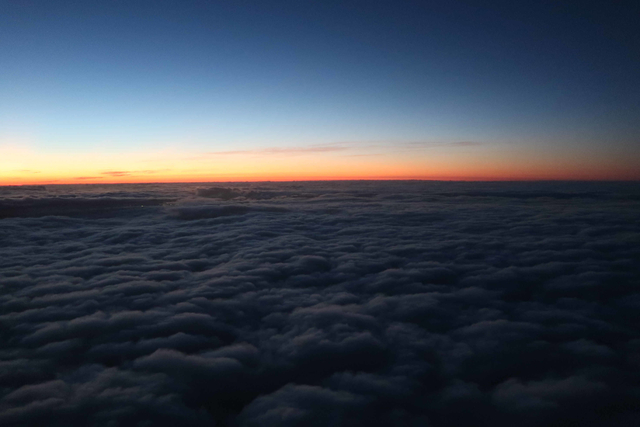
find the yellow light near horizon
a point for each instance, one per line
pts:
(21, 165)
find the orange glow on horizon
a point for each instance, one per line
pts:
(22, 166)
(193, 178)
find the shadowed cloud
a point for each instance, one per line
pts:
(281, 150)
(320, 304)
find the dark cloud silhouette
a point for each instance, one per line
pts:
(343, 303)
(59, 206)
(116, 173)
(21, 188)
(325, 148)
(137, 172)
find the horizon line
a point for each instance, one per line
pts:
(506, 180)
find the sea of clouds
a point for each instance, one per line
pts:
(320, 304)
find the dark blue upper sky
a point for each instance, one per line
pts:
(212, 76)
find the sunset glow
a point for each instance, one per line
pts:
(19, 165)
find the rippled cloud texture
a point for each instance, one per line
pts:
(320, 304)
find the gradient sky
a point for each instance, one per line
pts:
(141, 91)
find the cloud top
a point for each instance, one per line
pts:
(328, 304)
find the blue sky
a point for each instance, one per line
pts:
(215, 76)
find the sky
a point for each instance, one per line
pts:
(120, 91)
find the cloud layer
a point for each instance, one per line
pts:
(346, 304)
